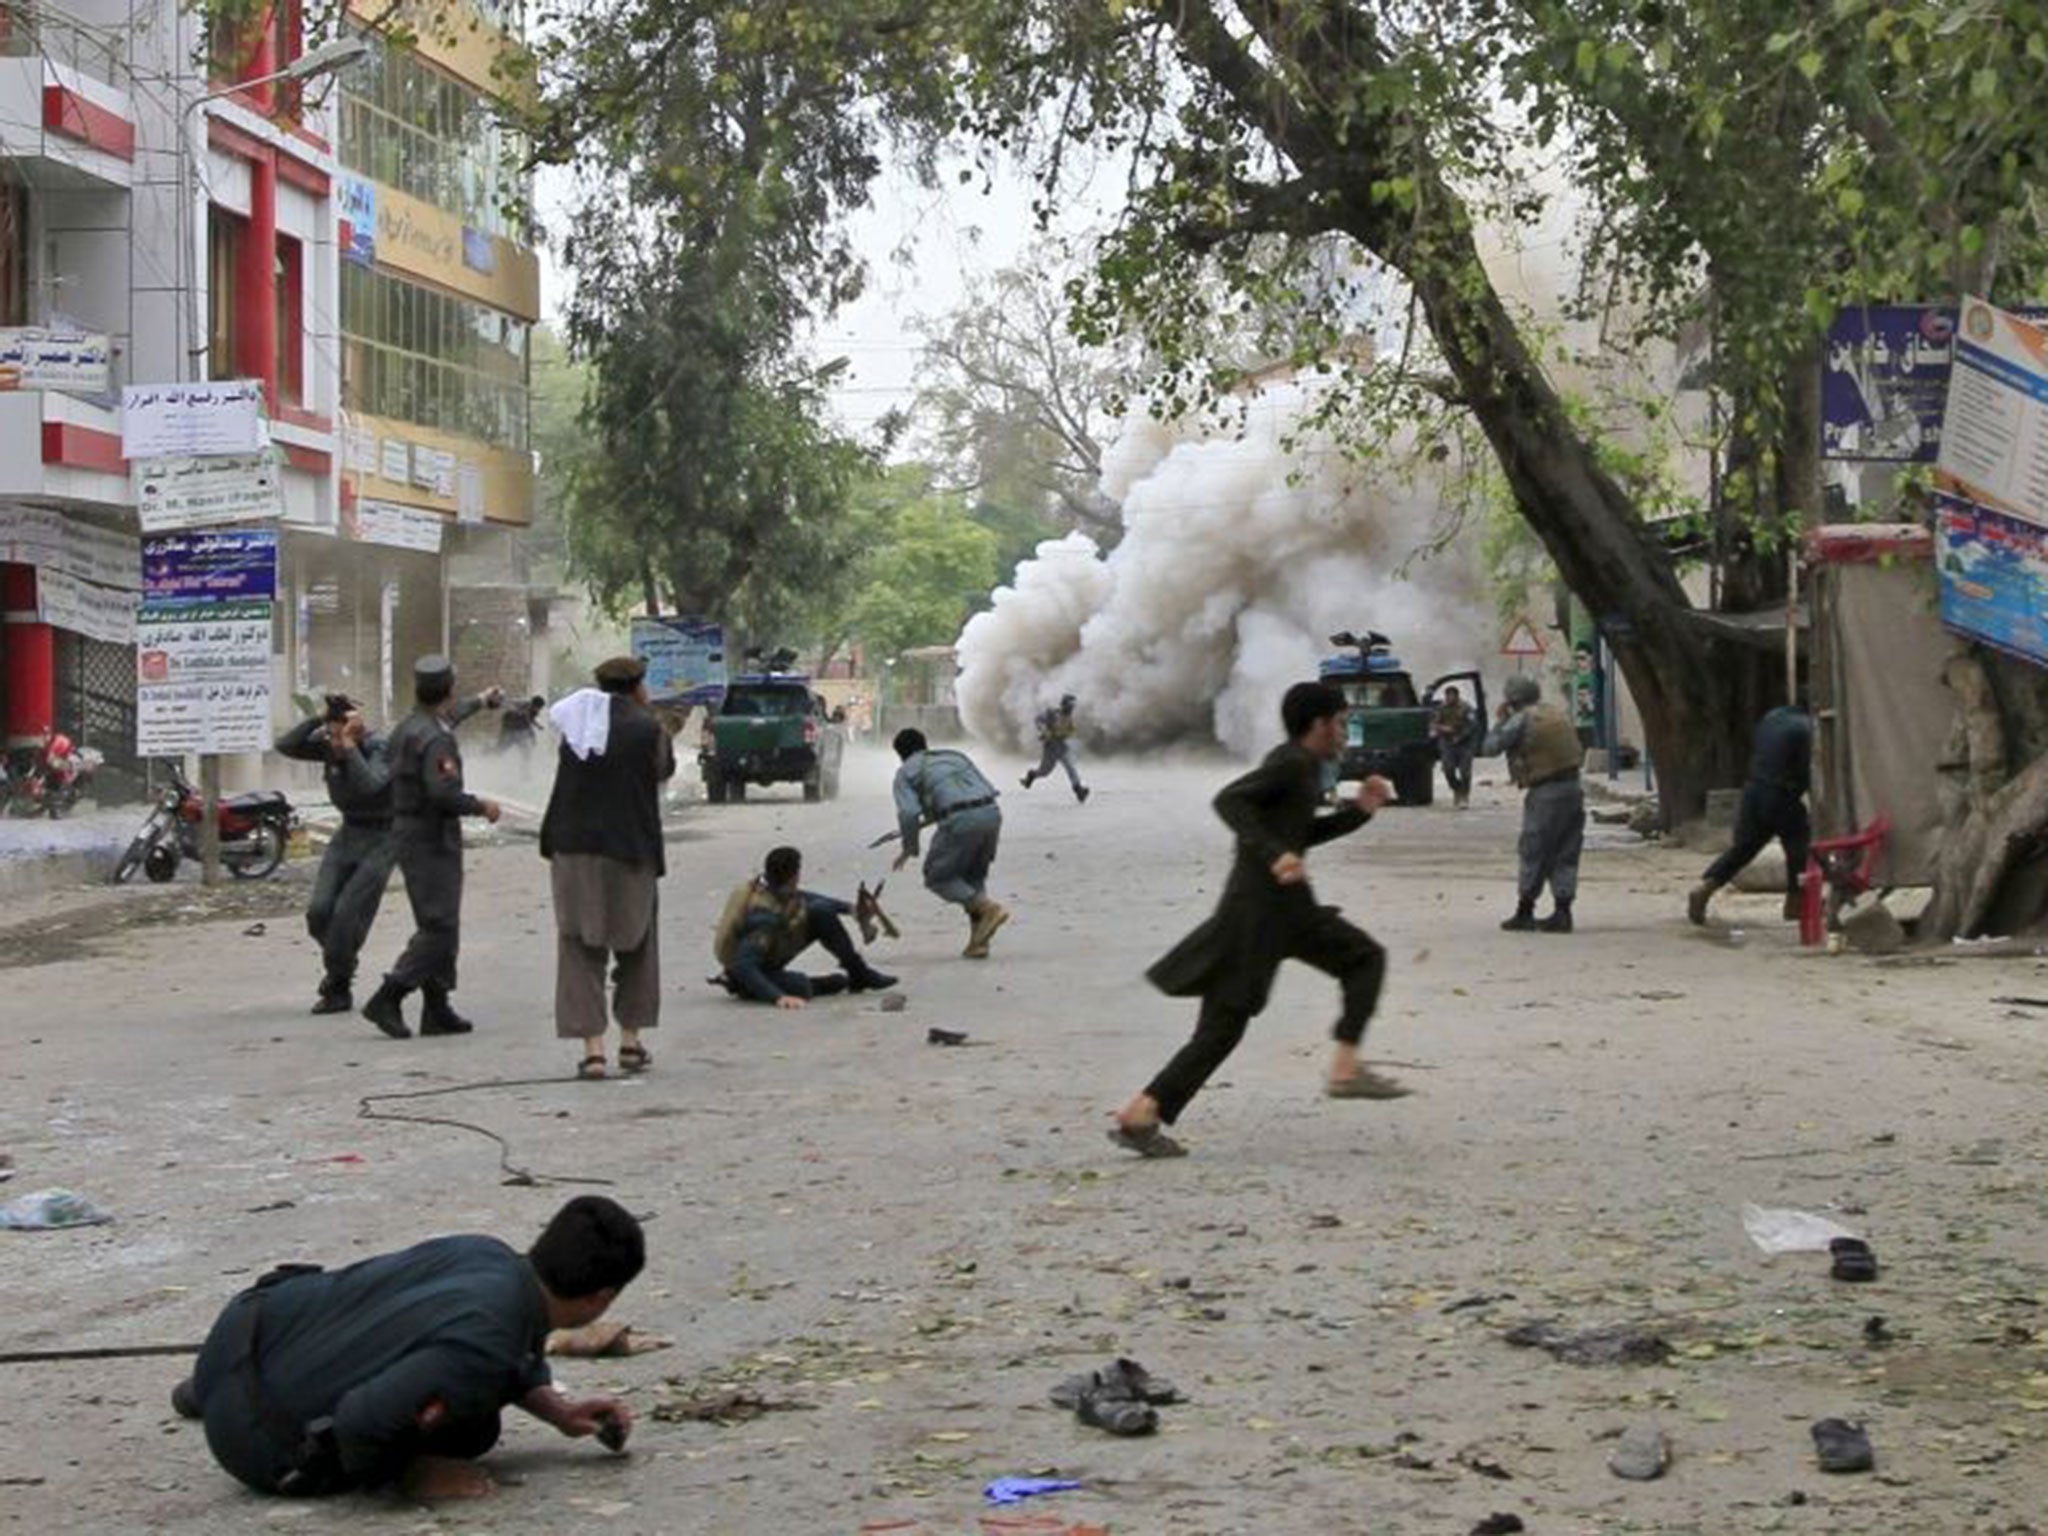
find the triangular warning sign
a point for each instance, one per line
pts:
(1522, 640)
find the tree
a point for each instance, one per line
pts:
(928, 566)
(1742, 169)
(1018, 409)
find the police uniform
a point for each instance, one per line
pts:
(357, 866)
(762, 931)
(1055, 736)
(942, 789)
(1452, 725)
(1544, 754)
(1773, 806)
(428, 802)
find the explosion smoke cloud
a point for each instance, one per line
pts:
(1243, 551)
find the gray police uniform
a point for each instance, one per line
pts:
(1544, 755)
(941, 788)
(428, 803)
(357, 866)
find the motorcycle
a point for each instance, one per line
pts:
(54, 780)
(254, 829)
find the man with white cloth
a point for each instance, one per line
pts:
(602, 836)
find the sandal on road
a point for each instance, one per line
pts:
(591, 1069)
(1367, 1084)
(1147, 1141)
(634, 1058)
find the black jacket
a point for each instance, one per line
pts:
(1274, 809)
(610, 804)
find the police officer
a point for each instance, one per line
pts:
(942, 789)
(1544, 754)
(1773, 805)
(1056, 742)
(428, 803)
(355, 761)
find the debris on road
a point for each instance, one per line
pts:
(1499, 1525)
(1622, 1344)
(1014, 1490)
(1854, 1262)
(734, 1406)
(1121, 1398)
(47, 1210)
(937, 1036)
(1788, 1231)
(1842, 1446)
(1641, 1455)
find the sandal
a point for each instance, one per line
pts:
(634, 1058)
(1147, 1141)
(591, 1069)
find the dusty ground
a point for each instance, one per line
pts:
(916, 1243)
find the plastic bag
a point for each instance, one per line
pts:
(1789, 1231)
(50, 1208)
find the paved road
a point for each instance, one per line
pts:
(916, 1243)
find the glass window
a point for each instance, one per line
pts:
(421, 355)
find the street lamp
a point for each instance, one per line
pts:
(336, 53)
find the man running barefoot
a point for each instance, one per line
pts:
(1269, 914)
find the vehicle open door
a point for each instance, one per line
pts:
(1476, 686)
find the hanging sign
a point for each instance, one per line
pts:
(685, 659)
(167, 420)
(198, 492)
(33, 357)
(202, 675)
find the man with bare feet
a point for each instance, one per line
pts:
(1269, 914)
(392, 1372)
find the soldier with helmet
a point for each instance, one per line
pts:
(1544, 754)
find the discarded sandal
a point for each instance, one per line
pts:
(1854, 1261)
(1842, 1446)
(1147, 1141)
(1104, 1410)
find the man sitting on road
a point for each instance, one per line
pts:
(771, 920)
(393, 1370)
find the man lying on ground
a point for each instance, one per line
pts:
(770, 921)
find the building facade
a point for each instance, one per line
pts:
(348, 242)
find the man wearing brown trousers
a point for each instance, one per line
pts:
(602, 836)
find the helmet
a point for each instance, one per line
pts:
(60, 746)
(1522, 691)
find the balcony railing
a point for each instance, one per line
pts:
(35, 31)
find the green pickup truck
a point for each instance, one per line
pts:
(771, 729)
(1387, 730)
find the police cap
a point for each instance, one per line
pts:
(433, 669)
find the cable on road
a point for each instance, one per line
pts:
(514, 1174)
(108, 1352)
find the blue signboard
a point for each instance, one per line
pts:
(685, 659)
(224, 563)
(355, 203)
(1884, 381)
(1994, 576)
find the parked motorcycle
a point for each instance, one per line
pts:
(254, 829)
(54, 780)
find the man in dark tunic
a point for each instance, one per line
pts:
(771, 920)
(602, 837)
(428, 803)
(1773, 805)
(355, 761)
(394, 1370)
(1269, 914)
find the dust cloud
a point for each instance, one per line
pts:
(1246, 545)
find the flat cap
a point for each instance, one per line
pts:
(432, 669)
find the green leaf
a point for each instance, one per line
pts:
(1971, 239)
(1588, 59)
(1984, 84)
(1850, 201)
(1810, 63)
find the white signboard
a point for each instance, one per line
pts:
(386, 522)
(362, 450)
(202, 492)
(469, 493)
(34, 358)
(433, 469)
(396, 465)
(84, 608)
(1994, 437)
(51, 541)
(166, 420)
(202, 677)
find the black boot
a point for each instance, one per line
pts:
(1559, 921)
(335, 996)
(384, 1009)
(1081, 793)
(438, 1015)
(185, 1402)
(1524, 920)
(868, 979)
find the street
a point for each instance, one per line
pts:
(908, 1246)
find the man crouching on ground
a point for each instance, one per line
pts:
(393, 1370)
(771, 920)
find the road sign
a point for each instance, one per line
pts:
(1522, 640)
